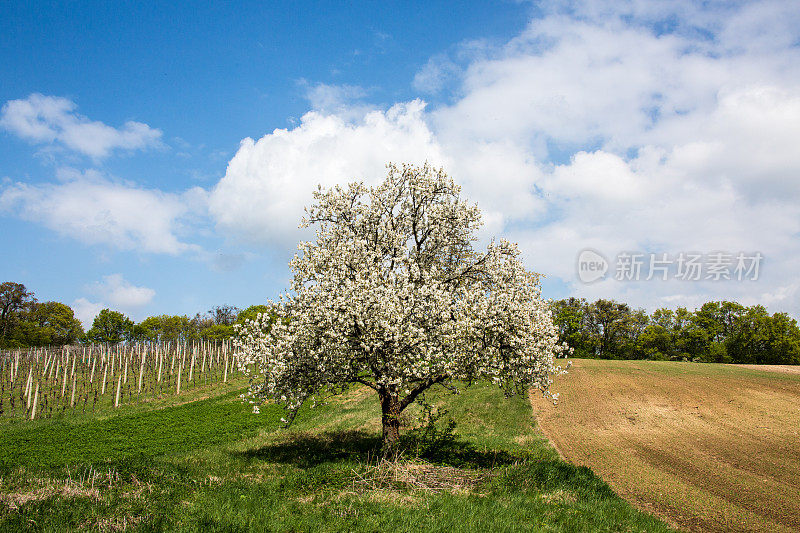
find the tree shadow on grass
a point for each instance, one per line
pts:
(306, 450)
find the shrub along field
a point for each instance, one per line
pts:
(205, 462)
(709, 447)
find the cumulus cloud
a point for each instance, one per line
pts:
(86, 311)
(42, 119)
(121, 294)
(269, 181)
(677, 143)
(661, 127)
(116, 293)
(90, 207)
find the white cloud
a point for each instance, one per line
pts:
(338, 99)
(632, 126)
(86, 311)
(269, 181)
(116, 293)
(91, 208)
(121, 294)
(687, 141)
(44, 119)
(435, 74)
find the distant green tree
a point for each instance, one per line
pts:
(14, 299)
(148, 330)
(656, 343)
(749, 342)
(609, 327)
(164, 328)
(631, 330)
(657, 338)
(729, 315)
(176, 328)
(711, 319)
(55, 324)
(690, 340)
(110, 327)
(570, 316)
(759, 338)
(252, 312)
(784, 341)
(223, 315)
(216, 332)
(197, 324)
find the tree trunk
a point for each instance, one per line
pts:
(390, 411)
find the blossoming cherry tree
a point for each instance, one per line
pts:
(393, 295)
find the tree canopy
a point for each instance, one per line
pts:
(55, 324)
(25, 322)
(110, 327)
(14, 298)
(720, 332)
(393, 295)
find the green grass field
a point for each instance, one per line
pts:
(213, 465)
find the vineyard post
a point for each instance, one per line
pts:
(29, 387)
(160, 357)
(178, 387)
(141, 373)
(64, 378)
(191, 366)
(74, 383)
(105, 375)
(35, 399)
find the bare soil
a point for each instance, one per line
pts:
(789, 369)
(705, 447)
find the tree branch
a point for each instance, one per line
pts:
(367, 383)
(422, 387)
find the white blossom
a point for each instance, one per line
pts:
(393, 295)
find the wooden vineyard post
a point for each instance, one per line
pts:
(29, 386)
(74, 383)
(35, 400)
(191, 366)
(119, 385)
(105, 375)
(141, 373)
(160, 358)
(64, 378)
(94, 362)
(178, 386)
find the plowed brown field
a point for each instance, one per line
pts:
(706, 447)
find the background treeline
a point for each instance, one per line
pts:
(719, 332)
(26, 322)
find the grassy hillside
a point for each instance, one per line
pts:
(212, 465)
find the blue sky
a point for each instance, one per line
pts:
(155, 158)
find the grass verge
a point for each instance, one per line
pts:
(212, 465)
